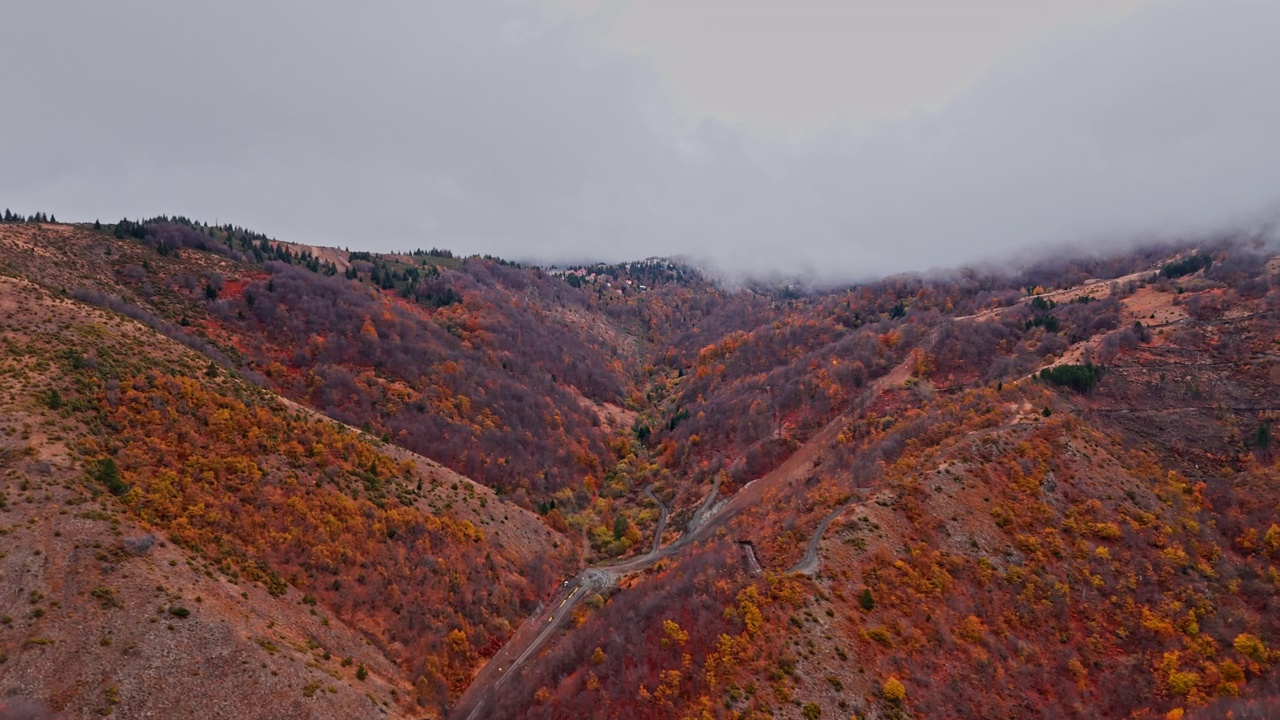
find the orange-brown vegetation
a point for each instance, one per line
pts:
(422, 572)
(877, 506)
(1001, 550)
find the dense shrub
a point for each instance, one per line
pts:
(1081, 378)
(1186, 266)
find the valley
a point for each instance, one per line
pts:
(417, 485)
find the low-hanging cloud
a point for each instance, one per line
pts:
(486, 127)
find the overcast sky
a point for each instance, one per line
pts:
(838, 140)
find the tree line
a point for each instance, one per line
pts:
(38, 217)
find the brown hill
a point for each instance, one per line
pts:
(986, 544)
(1044, 493)
(176, 542)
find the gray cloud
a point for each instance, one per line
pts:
(486, 127)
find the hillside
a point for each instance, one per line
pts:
(508, 376)
(994, 546)
(177, 541)
(1038, 493)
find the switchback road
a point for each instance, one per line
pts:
(540, 627)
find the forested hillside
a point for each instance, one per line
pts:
(981, 538)
(1045, 492)
(117, 438)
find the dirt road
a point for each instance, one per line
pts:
(542, 625)
(663, 511)
(713, 514)
(808, 564)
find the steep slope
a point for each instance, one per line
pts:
(994, 546)
(453, 359)
(176, 541)
(506, 374)
(1044, 493)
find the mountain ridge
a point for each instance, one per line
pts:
(934, 494)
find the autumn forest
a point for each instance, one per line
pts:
(422, 485)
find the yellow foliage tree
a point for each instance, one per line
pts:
(672, 633)
(971, 629)
(1251, 647)
(1271, 541)
(894, 690)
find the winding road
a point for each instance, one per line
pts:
(707, 508)
(535, 631)
(711, 515)
(808, 564)
(663, 511)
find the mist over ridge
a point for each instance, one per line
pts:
(495, 129)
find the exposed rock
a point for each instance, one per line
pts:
(139, 545)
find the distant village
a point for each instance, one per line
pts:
(639, 275)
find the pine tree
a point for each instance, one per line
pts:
(109, 475)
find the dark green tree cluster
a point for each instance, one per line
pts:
(168, 234)
(1039, 304)
(1081, 378)
(415, 283)
(501, 261)
(1186, 266)
(109, 475)
(1048, 322)
(13, 217)
(126, 228)
(651, 272)
(433, 252)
